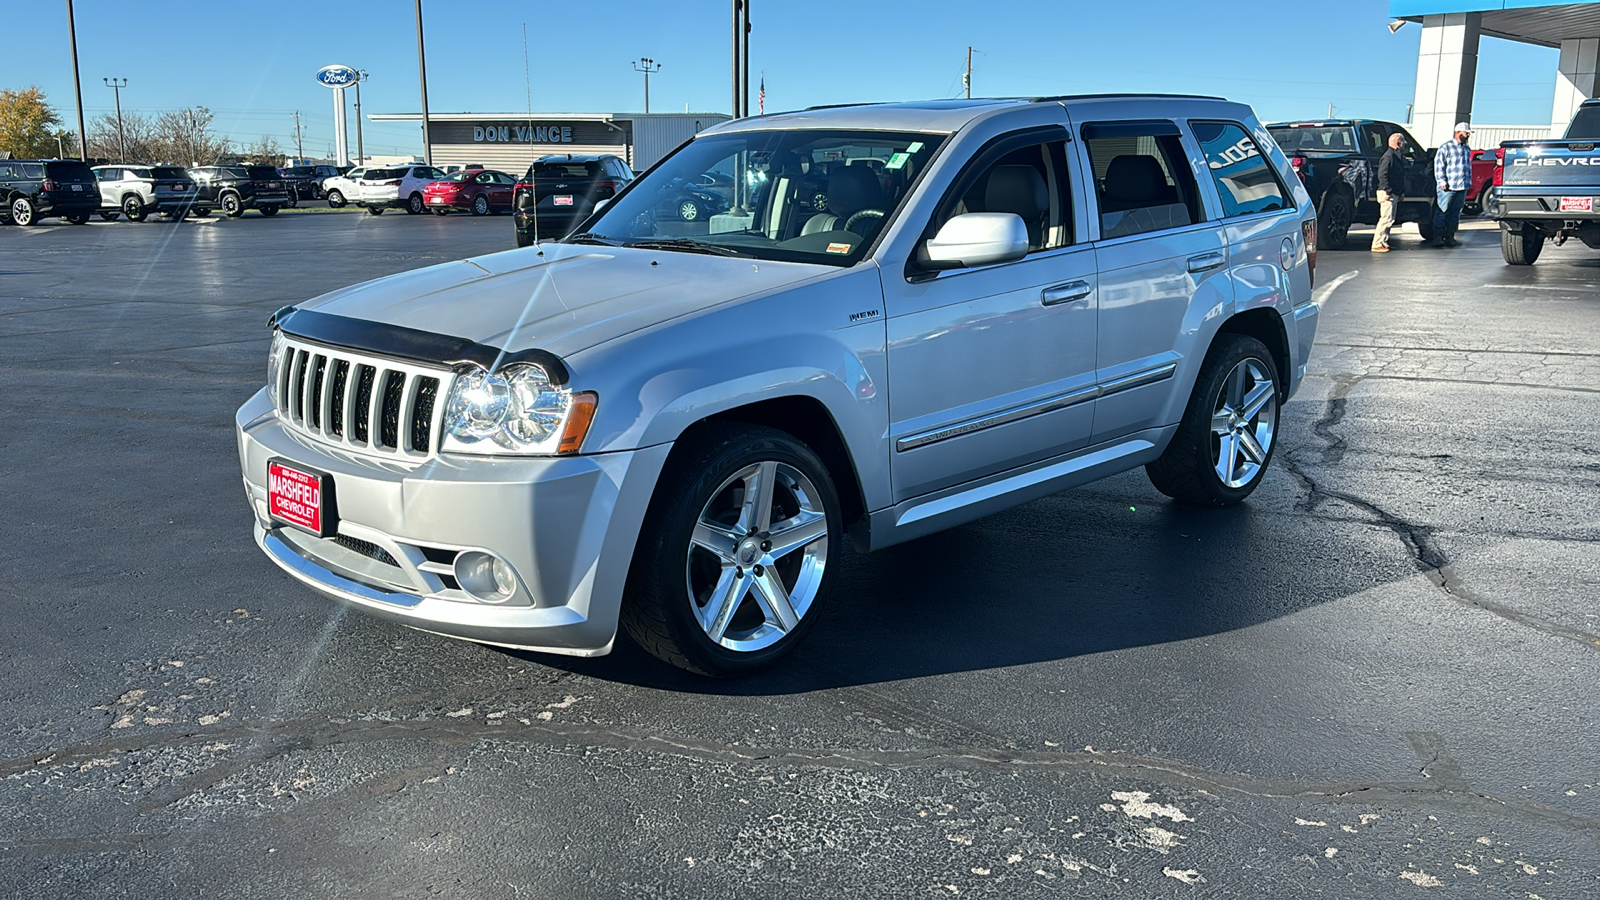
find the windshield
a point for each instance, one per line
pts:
(1325, 138)
(801, 196)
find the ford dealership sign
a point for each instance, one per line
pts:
(337, 76)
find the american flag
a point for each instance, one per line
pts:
(761, 98)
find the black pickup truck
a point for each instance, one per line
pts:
(1337, 160)
(1549, 190)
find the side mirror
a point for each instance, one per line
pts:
(601, 204)
(976, 239)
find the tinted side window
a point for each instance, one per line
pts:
(1244, 178)
(1374, 140)
(32, 170)
(1141, 177)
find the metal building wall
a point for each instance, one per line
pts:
(657, 134)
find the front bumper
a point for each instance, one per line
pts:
(567, 526)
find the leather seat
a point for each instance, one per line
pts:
(850, 190)
(1135, 181)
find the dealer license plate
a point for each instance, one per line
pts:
(300, 498)
(564, 200)
(435, 199)
(1577, 204)
(77, 187)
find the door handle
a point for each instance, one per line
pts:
(1066, 293)
(1206, 261)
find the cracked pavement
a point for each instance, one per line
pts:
(1376, 678)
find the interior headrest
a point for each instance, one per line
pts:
(1017, 189)
(853, 188)
(1136, 179)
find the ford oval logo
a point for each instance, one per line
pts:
(337, 76)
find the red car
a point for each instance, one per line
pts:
(1484, 162)
(479, 191)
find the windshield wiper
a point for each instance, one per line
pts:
(589, 237)
(683, 244)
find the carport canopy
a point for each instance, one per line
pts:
(1447, 60)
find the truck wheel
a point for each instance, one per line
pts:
(1333, 222)
(1225, 439)
(232, 206)
(1521, 248)
(335, 199)
(731, 568)
(23, 212)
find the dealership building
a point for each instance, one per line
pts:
(511, 141)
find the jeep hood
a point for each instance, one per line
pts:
(560, 298)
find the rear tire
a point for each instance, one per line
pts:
(199, 212)
(375, 210)
(414, 205)
(268, 211)
(79, 218)
(335, 199)
(232, 206)
(731, 569)
(1333, 221)
(1521, 248)
(133, 208)
(1230, 425)
(480, 205)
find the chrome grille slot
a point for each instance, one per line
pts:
(364, 403)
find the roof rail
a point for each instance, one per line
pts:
(1121, 96)
(836, 106)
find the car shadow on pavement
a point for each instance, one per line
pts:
(1076, 574)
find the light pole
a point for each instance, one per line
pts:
(77, 84)
(117, 84)
(361, 151)
(647, 66)
(422, 72)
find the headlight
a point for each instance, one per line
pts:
(516, 410)
(274, 365)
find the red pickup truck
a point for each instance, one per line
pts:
(1484, 163)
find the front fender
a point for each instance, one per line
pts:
(657, 383)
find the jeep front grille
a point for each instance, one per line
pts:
(364, 403)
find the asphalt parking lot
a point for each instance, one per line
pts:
(1376, 678)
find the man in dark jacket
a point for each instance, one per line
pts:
(1391, 190)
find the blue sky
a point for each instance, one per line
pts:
(1288, 60)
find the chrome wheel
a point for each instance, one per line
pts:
(689, 211)
(1243, 422)
(757, 556)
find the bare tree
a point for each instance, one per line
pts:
(184, 137)
(138, 136)
(265, 152)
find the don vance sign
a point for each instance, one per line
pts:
(522, 134)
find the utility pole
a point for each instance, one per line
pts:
(744, 91)
(77, 84)
(1330, 109)
(966, 77)
(361, 150)
(422, 72)
(117, 84)
(645, 65)
(299, 143)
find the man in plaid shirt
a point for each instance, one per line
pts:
(1452, 171)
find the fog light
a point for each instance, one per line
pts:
(486, 577)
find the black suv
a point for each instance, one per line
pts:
(558, 192)
(305, 182)
(237, 188)
(35, 189)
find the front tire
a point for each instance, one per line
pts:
(1521, 248)
(1226, 437)
(335, 199)
(268, 211)
(1333, 221)
(731, 568)
(23, 212)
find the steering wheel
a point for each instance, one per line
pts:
(861, 214)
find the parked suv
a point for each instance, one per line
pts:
(675, 425)
(305, 182)
(395, 187)
(237, 188)
(342, 189)
(36, 189)
(558, 192)
(138, 191)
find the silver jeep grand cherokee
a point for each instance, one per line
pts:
(907, 316)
